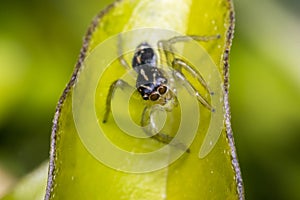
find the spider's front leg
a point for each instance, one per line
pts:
(121, 58)
(178, 65)
(166, 46)
(193, 91)
(116, 84)
(166, 49)
(152, 131)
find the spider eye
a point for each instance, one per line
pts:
(145, 97)
(154, 96)
(162, 89)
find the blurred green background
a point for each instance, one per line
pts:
(39, 45)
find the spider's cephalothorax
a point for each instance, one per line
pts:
(150, 82)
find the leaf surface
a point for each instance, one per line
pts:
(76, 174)
(31, 187)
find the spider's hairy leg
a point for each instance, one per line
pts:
(165, 50)
(200, 38)
(179, 64)
(121, 58)
(160, 137)
(193, 91)
(165, 47)
(116, 84)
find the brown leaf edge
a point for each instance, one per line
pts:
(229, 132)
(82, 55)
(55, 126)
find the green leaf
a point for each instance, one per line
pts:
(76, 172)
(31, 187)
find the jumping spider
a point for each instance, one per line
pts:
(153, 85)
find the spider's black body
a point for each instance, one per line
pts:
(150, 82)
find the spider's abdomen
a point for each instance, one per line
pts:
(144, 55)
